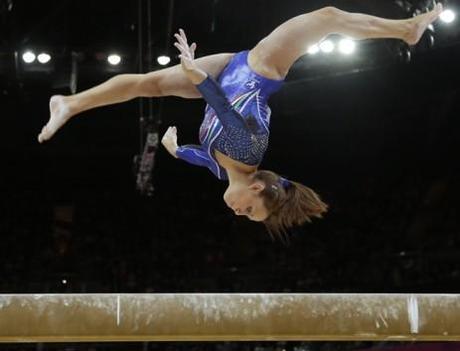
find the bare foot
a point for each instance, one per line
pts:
(419, 24)
(59, 115)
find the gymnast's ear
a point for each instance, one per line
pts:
(257, 186)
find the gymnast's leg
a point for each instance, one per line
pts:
(275, 54)
(166, 82)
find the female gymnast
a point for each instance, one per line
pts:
(235, 130)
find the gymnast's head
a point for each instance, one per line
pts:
(277, 202)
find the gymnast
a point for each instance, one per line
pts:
(235, 131)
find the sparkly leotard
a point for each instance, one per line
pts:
(237, 117)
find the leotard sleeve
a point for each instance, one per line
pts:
(193, 154)
(215, 97)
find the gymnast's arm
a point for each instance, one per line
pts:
(208, 87)
(187, 59)
(215, 97)
(193, 154)
(169, 141)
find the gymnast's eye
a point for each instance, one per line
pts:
(249, 210)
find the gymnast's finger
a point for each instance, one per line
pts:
(181, 40)
(182, 33)
(192, 50)
(183, 52)
(179, 47)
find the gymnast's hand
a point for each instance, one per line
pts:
(169, 141)
(187, 58)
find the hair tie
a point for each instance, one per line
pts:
(286, 183)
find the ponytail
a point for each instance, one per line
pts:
(289, 203)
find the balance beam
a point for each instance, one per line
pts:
(230, 317)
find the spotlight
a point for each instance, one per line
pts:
(314, 49)
(163, 60)
(326, 46)
(64, 281)
(347, 46)
(114, 59)
(28, 57)
(447, 16)
(44, 58)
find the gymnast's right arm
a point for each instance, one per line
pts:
(193, 154)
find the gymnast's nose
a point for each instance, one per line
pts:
(237, 210)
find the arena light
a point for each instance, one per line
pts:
(114, 59)
(313, 50)
(28, 57)
(44, 58)
(347, 46)
(327, 46)
(447, 16)
(163, 60)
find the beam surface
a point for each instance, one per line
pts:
(232, 317)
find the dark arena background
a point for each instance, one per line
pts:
(375, 132)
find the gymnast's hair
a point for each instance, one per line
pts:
(288, 203)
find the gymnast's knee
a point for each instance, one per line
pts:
(331, 13)
(335, 18)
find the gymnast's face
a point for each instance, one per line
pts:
(245, 200)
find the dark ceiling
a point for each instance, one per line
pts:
(94, 28)
(219, 24)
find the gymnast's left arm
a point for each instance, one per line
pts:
(208, 87)
(187, 59)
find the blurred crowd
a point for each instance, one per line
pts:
(385, 235)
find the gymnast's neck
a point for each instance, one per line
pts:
(236, 171)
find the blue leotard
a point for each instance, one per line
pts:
(237, 117)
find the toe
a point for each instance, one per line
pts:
(42, 135)
(437, 10)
